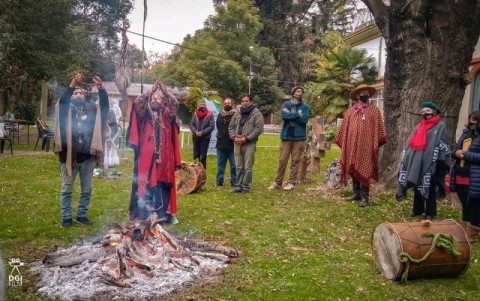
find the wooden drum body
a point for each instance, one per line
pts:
(390, 240)
(190, 178)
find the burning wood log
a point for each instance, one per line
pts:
(76, 256)
(139, 261)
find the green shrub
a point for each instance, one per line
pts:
(330, 131)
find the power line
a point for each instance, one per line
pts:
(224, 58)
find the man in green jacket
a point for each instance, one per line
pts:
(295, 114)
(244, 129)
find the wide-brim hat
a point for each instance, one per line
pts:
(361, 87)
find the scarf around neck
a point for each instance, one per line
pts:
(224, 113)
(360, 107)
(200, 115)
(419, 139)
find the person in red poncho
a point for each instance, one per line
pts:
(425, 162)
(153, 135)
(360, 137)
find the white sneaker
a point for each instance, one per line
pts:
(288, 187)
(274, 186)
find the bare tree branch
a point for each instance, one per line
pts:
(380, 13)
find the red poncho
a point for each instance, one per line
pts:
(149, 172)
(360, 136)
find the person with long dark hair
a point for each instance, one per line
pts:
(460, 174)
(153, 135)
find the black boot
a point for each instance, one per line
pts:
(356, 196)
(364, 197)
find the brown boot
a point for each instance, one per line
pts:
(472, 233)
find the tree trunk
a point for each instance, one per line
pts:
(429, 47)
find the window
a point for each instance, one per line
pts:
(476, 93)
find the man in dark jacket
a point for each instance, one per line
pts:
(79, 145)
(201, 125)
(225, 143)
(295, 116)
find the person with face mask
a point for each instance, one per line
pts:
(225, 143)
(360, 136)
(244, 129)
(425, 162)
(202, 126)
(460, 173)
(465, 175)
(295, 114)
(79, 125)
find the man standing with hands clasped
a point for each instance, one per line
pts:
(244, 129)
(295, 116)
(202, 126)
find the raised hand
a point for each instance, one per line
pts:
(155, 86)
(97, 81)
(76, 80)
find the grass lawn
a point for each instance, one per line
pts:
(300, 245)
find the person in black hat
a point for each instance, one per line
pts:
(295, 114)
(425, 161)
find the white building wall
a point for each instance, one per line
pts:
(376, 49)
(466, 108)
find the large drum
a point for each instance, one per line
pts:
(190, 177)
(391, 240)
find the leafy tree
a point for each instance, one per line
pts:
(191, 101)
(429, 46)
(219, 56)
(339, 71)
(52, 38)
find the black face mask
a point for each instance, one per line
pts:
(427, 116)
(227, 108)
(364, 98)
(472, 126)
(202, 109)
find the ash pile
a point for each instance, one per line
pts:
(141, 262)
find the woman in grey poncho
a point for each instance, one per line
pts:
(425, 161)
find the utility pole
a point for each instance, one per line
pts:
(250, 74)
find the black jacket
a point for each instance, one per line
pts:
(224, 142)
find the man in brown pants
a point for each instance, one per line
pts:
(295, 116)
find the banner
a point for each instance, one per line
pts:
(215, 107)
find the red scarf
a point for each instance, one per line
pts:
(200, 115)
(419, 139)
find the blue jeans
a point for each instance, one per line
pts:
(222, 157)
(85, 169)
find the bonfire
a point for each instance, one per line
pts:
(140, 262)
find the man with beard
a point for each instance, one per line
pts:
(225, 143)
(360, 137)
(78, 142)
(244, 129)
(202, 126)
(153, 135)
(295, 116)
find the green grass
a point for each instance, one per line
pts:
(297, 245)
